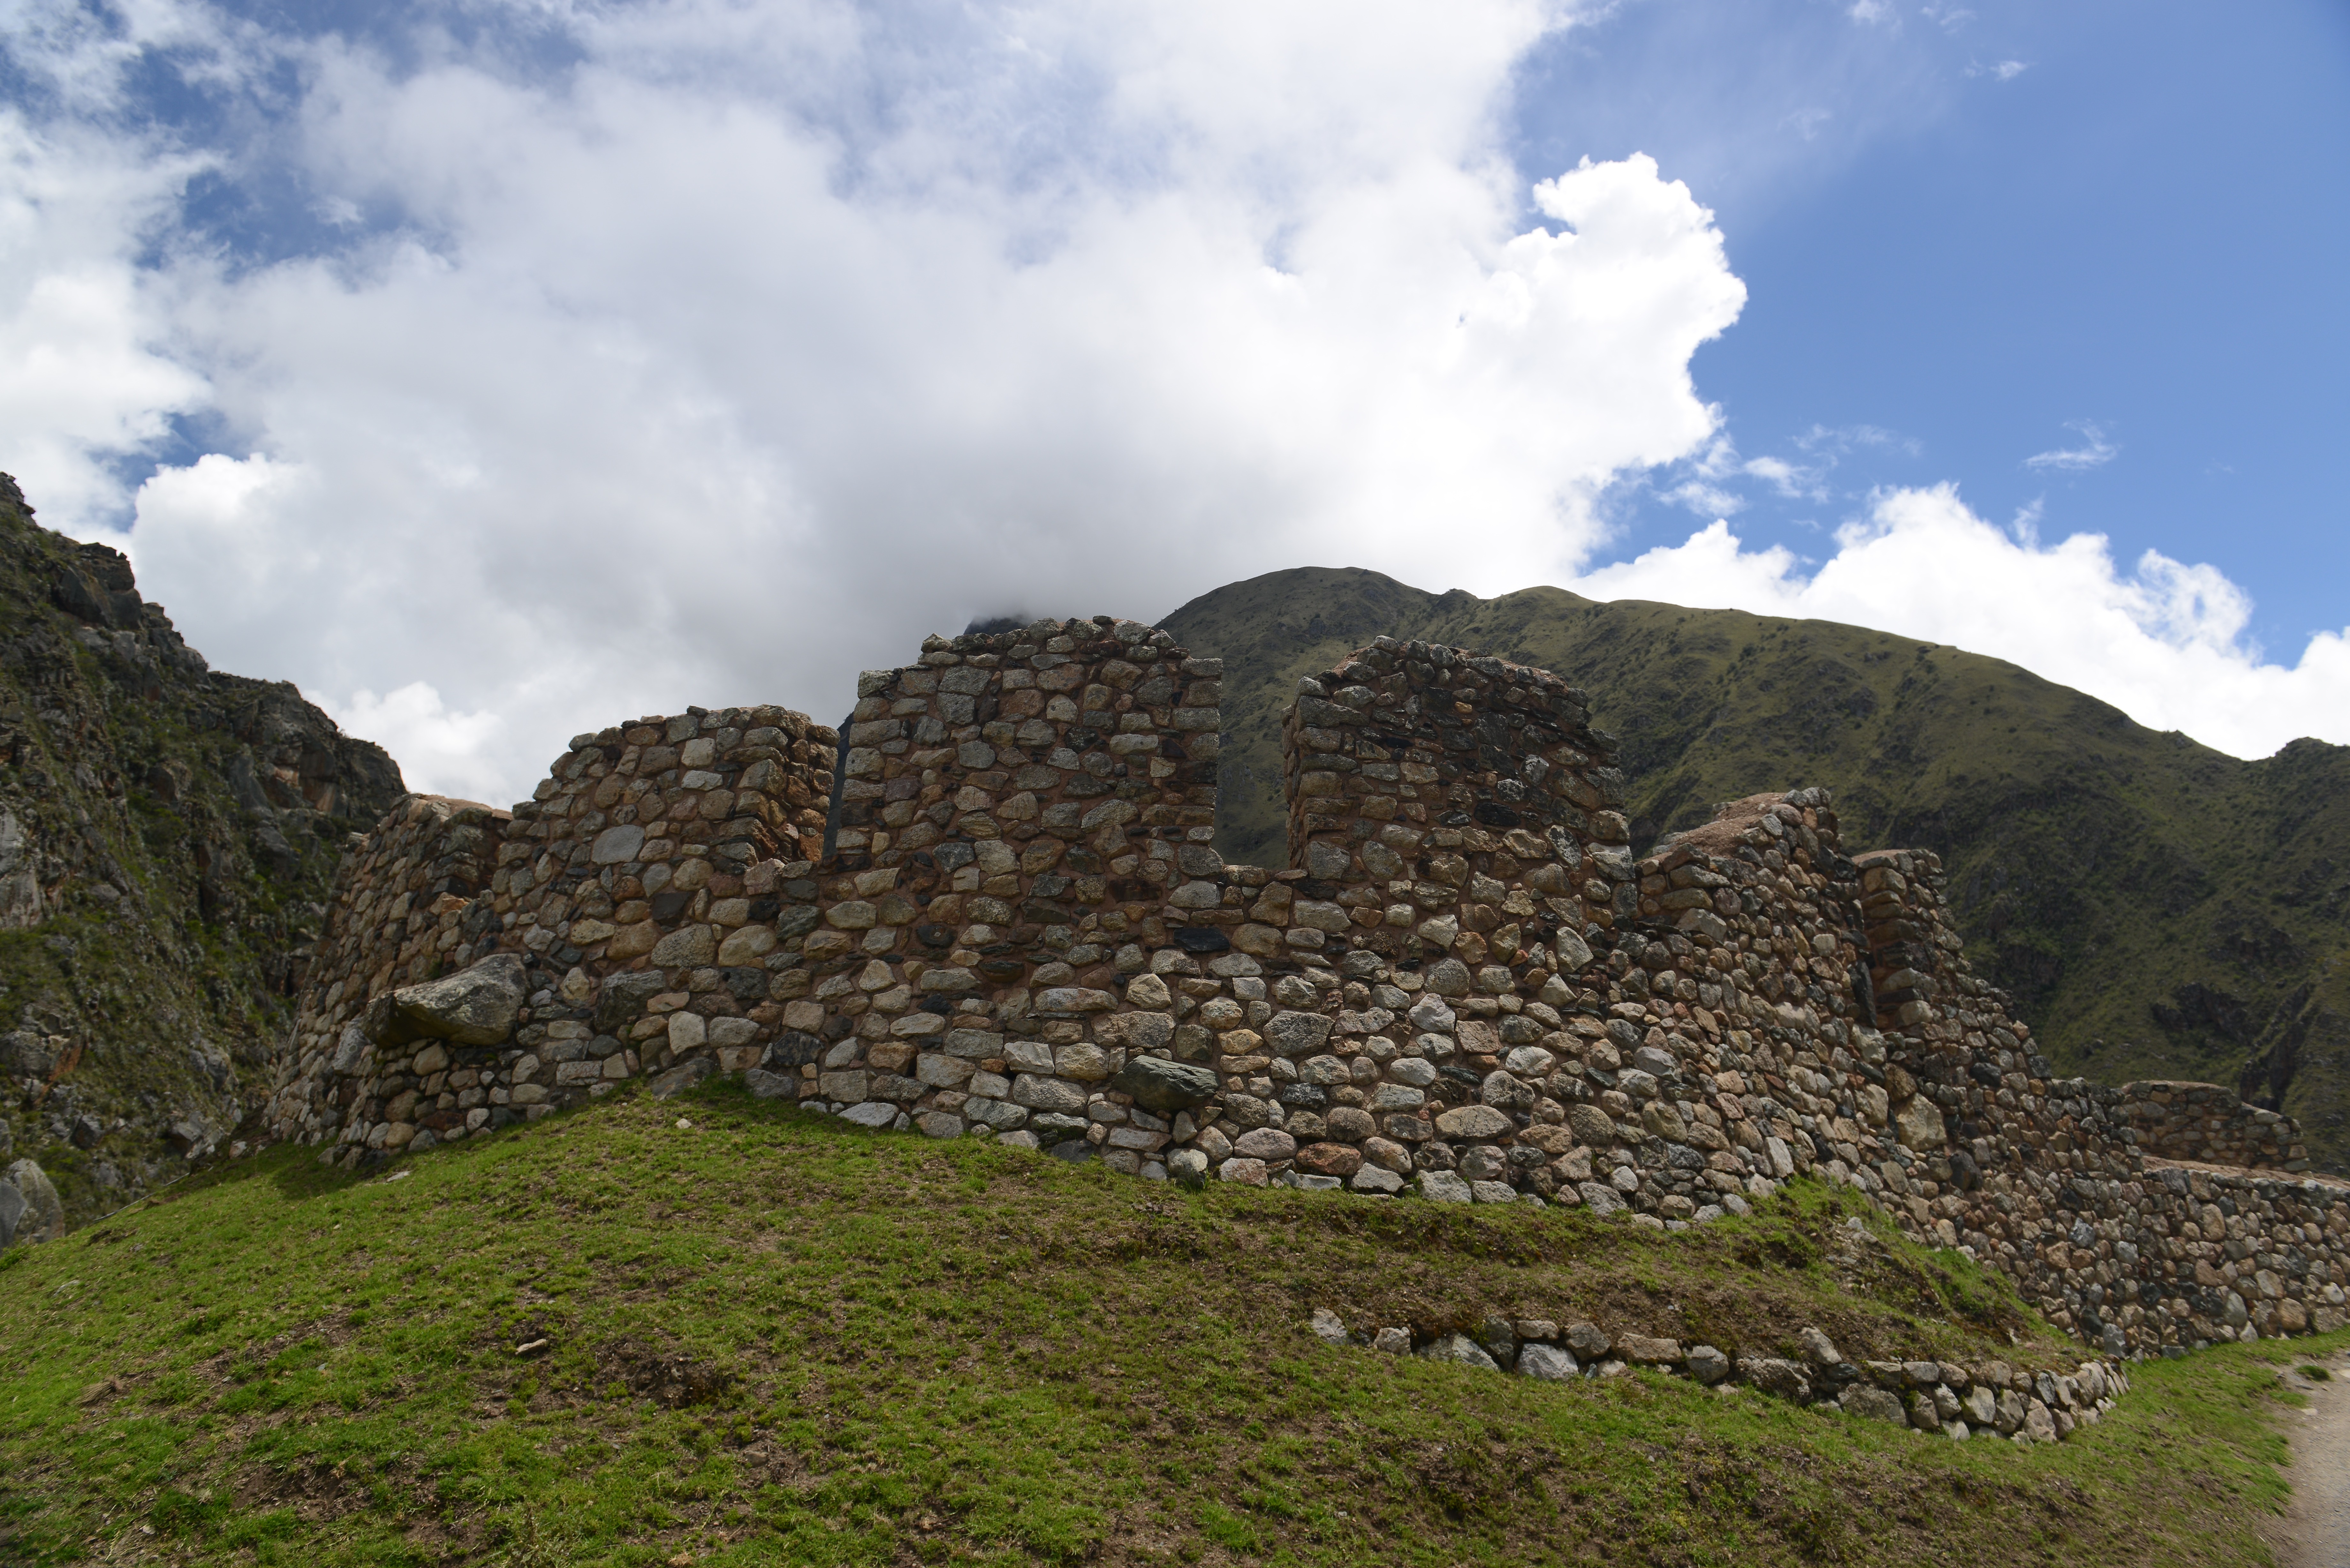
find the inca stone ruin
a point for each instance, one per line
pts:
(994, 909)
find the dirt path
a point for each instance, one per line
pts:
(2315, 1533)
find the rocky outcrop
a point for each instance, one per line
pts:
(168, 833)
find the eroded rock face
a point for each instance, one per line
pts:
(189, 821)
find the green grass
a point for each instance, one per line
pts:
(774, 1339)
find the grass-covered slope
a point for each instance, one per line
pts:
(2159, 910)
(762, 1337)
(167, 837)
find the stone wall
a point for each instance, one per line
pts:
(2205, 1122)
(642, 890)
(1466, 986)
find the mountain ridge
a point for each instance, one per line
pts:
(2158, 908)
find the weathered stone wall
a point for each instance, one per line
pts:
(1407, 744)
(2019, 1402)
(2206, 1122)
(1023, 931)
(643, 890)
(404, 908)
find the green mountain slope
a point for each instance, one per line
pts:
(2158, 909)
(167, 837)
(716, 1330)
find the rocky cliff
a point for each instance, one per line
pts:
(167, 836)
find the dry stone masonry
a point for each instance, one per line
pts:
(993, 908)
(1986, 1398)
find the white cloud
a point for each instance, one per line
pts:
(2164, 641)
(2005, 70)
(82, 378)
(763, 341)
(416, 726)
(2095, 452)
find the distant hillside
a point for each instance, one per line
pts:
(2159, 910)
(167, 834)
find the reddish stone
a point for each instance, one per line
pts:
(1330, 1159)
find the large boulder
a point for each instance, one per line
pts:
(476, 1006)
(12, 1210)
(44, 1216)
(1164, 1086)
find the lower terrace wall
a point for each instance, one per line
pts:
(2205, 1122)
(1467, 986)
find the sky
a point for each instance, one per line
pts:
(501, 371)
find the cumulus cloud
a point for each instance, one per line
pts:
(2163, 641)
(503, 371)
(740, 347)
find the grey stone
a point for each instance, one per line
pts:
(1473, 1122)
(1663, 1063)
(684, 1076)
(1164, 1086)
(1708, 1364)
(1392, 1342)
(1460, 1348)
(1447, 977)
(1039, 1092)
(476, 1006)
(767, 1085)
(1873, 1405)
(1588, 1340)
(1591, 1124)
(616, 845)
(1188, 1166)
(1297, 1034)
(1493, 1192)
(1600, 1198)
(1981, 1407)
(1049, 1127)
(13, 1208)
(1818, 1348)
(1547, 1362)
(688, 947)
(1265, 1143)
(1373, 1178)
(1773, 1375)
(1443, 1187)
(44, 1216)
(1328, 1326)
(871, 1114)
(348, 1050)
(624, 997)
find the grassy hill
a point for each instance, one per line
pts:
(168, 833)
(2158, 909)
(719, 1331)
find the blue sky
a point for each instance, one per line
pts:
(2136, 242)
(494, 370)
